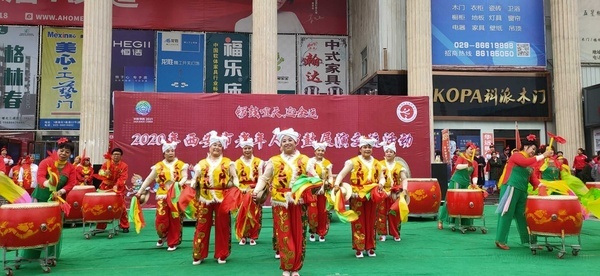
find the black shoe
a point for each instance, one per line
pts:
(125, 230)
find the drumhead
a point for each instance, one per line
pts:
(101, 194)
(422, 179)
(84, 187)
(464, 191)
(552, 197)
(29, 205)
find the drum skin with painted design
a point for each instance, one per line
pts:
(465, 203)
(75, 199)
(102, 207)
(30, 225)
(554, 215)
(425, 196)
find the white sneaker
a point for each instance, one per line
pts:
(172, 248)
(359, 254)
(160, 243)
(197, 262)
(252, 242)
(243, 241)
(312, 238)
(382, 238)
(277, 255)
(397, 239)
(321, 239)
(221, 261)
(286, 273)
(295, 273)
(371, 253)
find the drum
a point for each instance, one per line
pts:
(101, 207)
(75, 199)
(425, 196)
(593, 185)
(30, 225)
(551, 215)
(465, 203)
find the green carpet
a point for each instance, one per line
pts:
(424, 250)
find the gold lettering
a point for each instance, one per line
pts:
(465, 93)
(437, 96)
(452, 95)
(476, 96)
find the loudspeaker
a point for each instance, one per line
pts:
(441, 171)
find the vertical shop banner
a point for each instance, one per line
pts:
(488, 33)
(323, 65)
(488, 140)
(18, 76)
(228, 63)
(132, 64)
(60, 88)
(180, 62)
(446, 154)
(589, 33)
(286, 64)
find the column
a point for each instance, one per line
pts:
(567, 75)
(95, 96)
(264, 47)
(418, 49)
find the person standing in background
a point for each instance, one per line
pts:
(579, 162)
(8, 161)
(480, 168)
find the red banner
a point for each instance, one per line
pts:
(142, 120)
(299, 16)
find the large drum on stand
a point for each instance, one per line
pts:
(555, 216)
(30, 225)
(425, 197)
(464, 203)
(75, 199)
(101, 207)
(593, 185)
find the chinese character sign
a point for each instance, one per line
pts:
(488, 33)
(18, 76)
(61, 78)
(286, 64)
(142, 121)
(180, 62)
(589, 41)
(228, 63)
(323, 67)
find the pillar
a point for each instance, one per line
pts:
(264, 47)
(418, 62)
(95, 96)
(567, 75)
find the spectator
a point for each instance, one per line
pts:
(579, 162)
(586, 172)
(561, 154)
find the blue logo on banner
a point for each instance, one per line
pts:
(180, 64)
(143, 108)
(488, 33)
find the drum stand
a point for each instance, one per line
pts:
(46, 262)
(88, 231)
(575, 248)
(464, 229)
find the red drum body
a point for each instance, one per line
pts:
(554, 215)
(593, 185)
(425, 196)
(101, 207)
(464, 203)
(30, 225)
(75, 199)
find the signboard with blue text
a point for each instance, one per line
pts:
(180, 62)
(488, 33)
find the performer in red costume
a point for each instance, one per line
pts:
(249, 169)
(396, 183)
(365, 174)
(115, 174)
(24, 174)
(168, 172)
(85, 172)
(213, 176)
(318, 216)
(289, 216)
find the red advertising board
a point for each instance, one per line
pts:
(142, 120)
(315, 17)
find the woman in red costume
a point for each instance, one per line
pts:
(168, 172)
(213, 176)
(24, 174)
(396, 183)
(249, 168)
(318, 216)
(85, 172)
(365, 174)
(289, 216)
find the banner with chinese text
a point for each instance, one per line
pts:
(142, 120)
(286, 64)
(132, 62)
(19, 52)
(504, 96)
(323, 65)
(61, 78)
(179, 62)
(228, 63)
(589, 33)
(446, 154)
(488, 33)
(299, 16)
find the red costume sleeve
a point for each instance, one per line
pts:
(79, 170)
(475, 172)
(123, 170)
(520, 160)
(72, 175)
(42, 173)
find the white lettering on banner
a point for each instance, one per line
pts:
(233, 48)
(118, 3)
(232, 68)
(233, 88)
(339, 140)
(273, 112)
